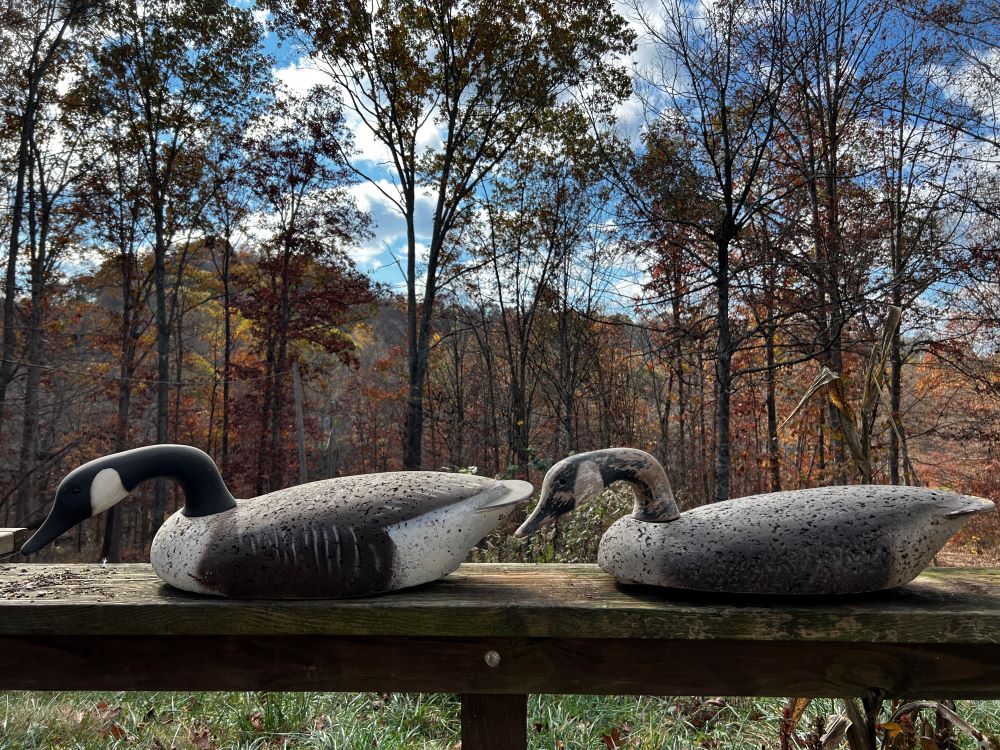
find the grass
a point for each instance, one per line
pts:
(398, 721)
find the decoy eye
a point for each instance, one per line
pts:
(76, 490)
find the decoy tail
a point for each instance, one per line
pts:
(971, 506)
(507, 493)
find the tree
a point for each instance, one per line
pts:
(112, 204)
(539, 212)
(303, 287)
(175, 72)
(719, 79)
(839, 59)
(39, 35)
(469, 77)
(920, 166)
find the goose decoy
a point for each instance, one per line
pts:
(829, 540)
(344, 537)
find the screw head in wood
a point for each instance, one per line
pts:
(492, 658)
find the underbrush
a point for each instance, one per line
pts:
(398, 721)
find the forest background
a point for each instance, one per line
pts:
(757, 238)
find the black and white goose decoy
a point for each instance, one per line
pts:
(344, 537)
(829, 540)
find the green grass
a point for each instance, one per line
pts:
(398, 721)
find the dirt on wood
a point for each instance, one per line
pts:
(25, 582)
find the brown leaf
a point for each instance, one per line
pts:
(150, 715)
(616, 738)
(101, 706)
(79, 717)
(928, 743)
(117, 732)
(257, 722)
(201, 739)
(322, 722)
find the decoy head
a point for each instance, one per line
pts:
(85, 492)
(578, 479)
(99, 484)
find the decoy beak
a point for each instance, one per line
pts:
(539, 517)
(62, 518)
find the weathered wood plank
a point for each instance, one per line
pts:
(960, 606)
(543, 665)
(12, 539)
(494, 722)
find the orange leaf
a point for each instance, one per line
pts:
(892, 728)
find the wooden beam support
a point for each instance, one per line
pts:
(456, 665)
(494, 722)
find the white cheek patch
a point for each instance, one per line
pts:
(588, 483)
(106, 489)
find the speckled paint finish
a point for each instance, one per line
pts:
(830, 540)
(345, 537)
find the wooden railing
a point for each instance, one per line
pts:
(495, 633)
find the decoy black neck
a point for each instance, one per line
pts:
(654, 500)
(204, 491)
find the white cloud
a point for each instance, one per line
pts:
(300, 77)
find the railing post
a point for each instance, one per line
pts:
(493, 721)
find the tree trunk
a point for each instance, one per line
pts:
(773, 460)
(10, 277)
(29, 422)
(723, 373)
(162, 343)
(300, 430)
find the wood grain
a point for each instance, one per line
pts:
(494, 722)
(956, 606)
(543, 665)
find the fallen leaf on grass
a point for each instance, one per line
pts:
(201, 739)
(322, 722)
(617, 737)
(117, 732)
(257, 722)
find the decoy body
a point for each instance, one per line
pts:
(344, 537)
(830, 540)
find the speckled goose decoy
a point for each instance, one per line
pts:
(344, 537)
(829, 540)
